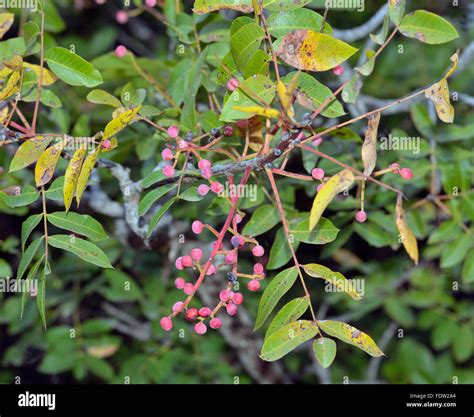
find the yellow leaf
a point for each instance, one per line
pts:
(72, 173)
(261, 111)
(6, 21)
(285, 99)
(406, 235)
(4, 114)
(46, 164)
(438, 93)
(351, 335)
(455, 61)
(336, 184)
(102, 351)
(5, 72)
(118, 123)
(14, 63)
(11, 87)
(47, 78)
(85, 174)
(313, 51)
(369, 148)
(29, 151)
(254, 128)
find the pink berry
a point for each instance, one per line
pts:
(339, 70)
(200, 328)
(188, 288)
(215, 323)
(216, 187)
(197, 227)
(167, 154)
(317, 141)
(206, 173)
(179, 263)
(361, 216)
(211, 270)
(121, 16)
(178, 306)
(179, 283)
(258, 269)
(317, 173)
(258, 250)
(150, 3)
(196, 254)
(120, 51)
(166, 324)
(231, 309)
(203, 189)
(204, 164)
(205, 312)
(173, 131)
(187, 261)
(228, 131)
(238, 298)
(395, 167)
(320, 187)
(237, 218)
(191, 314)
(254, 285)
(224, 296)
(106, 144)
(232, 84)
(237, 241)
(242, 124)
(301, 136)
(406, 173)
(230, 258)
(168, 171)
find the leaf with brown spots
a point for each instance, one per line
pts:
(407, 237)
(28, 152)
(254, 130)
(369, 147)
(46, 164)
(313, 51)
(72, 173)
(85, 174)
(351, 335)
(6, 21)
(11, 86)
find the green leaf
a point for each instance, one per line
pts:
(207, 6)
(443, 334)
(311, 94)
(103, 97)
(281, 23)
(401, 313)
(351, 91)
(334, 278)
(85, 250)
(283, 5)
(82, 224)
(11, 47)
(275, 290)
(245, 40)
(323, 233)
(30, 278)
(28, 195)
(382, 36)
(5, 269)
(28, 152)
(456, 251)
(150, 198)
(396, 9)
(280, 252)
(41, 297)
(468, 267)
(262, 220)
(286, 339)
(257, 64)
(190, 194)
(325, 351)
(260, 86)
(28, 256)
(367, 68)
(28, 226)
(159, 214)
(463, 342)
(71, 68)
(351, 335)
(55, 190)
(428, 27)
(292, 311)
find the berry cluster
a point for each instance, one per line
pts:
(225, 260)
